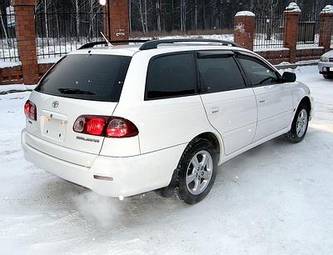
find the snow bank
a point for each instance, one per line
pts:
(4, 64)
(15, 87)
(327, 9)
(293, 7)
(50, 60)
(245, 13)
(271, 49)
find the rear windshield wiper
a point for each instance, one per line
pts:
(75, 91)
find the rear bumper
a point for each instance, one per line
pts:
(130, 175)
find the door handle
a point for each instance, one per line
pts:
(262, 101)
(214, 110)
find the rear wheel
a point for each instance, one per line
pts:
(300, 125)
(197, 171)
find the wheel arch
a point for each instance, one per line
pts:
(217, 142)
(215, 139)
(307, 103)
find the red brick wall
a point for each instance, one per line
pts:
(309, 54)
(14, 75)
(275, 56)
(11, 75)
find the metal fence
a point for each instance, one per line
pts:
(308, 33)
(60, 33)
(8, 42)
(269, 32)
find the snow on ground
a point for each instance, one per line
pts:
(275, 199)
(4, 64)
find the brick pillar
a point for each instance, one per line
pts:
(290, 33)
(326, 27)
(26, 39)
(245, 26)
(117, 19)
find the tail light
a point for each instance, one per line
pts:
(114, 127)
(30, 110)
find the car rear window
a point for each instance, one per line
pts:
(88, 77)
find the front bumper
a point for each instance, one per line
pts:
(324, 67)
(130, 175)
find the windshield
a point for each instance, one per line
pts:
(89, 77)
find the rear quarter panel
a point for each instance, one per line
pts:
(162, 123)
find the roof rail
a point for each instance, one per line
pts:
(154, 43)
(92, 44)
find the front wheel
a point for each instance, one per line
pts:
(328, 76)
(197, 171)
(299, 126)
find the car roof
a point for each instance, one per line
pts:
(132, 49)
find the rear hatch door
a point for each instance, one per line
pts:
(80, 84)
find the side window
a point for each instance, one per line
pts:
(171, 76)
(258, 73)
(219, 73)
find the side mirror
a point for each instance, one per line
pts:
(288, 77)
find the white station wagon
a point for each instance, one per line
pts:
(162, 115)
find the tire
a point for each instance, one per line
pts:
(196, 171)
(328, 76)
(300, 125)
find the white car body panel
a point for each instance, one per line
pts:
(274, 108)
(234, 115)
(238, 119)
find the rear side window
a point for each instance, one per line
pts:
(89, 77)
(219, 73)
(257, 72)
(171, 76)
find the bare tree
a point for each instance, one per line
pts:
(4, 28)
(46, 19)
(182, 15)
(146, 15)
(141, 17)
(77, 18)
(196, 14)
(158, 15)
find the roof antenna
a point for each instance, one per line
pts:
(106, 39)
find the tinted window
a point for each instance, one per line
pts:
(219, 73)
(90, 77)
(171, 76)
(258, 73)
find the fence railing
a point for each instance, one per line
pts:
(60, 33)
(269, 32)
(8, 42)
(308, 33)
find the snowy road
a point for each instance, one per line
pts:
(274, 199)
